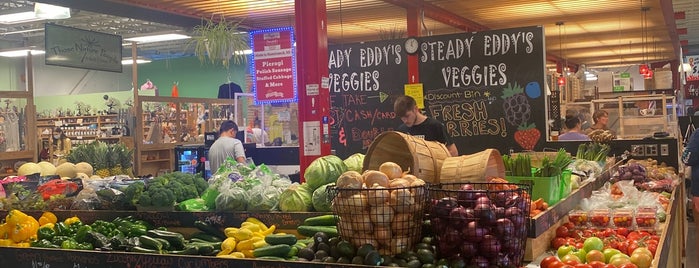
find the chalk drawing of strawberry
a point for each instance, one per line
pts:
(527, 136)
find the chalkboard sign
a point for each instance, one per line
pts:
(78, 48)
(487, 88)
(365, 79)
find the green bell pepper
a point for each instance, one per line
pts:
(85, 246)
(62, 229)
(81, 234)
(45, 233)
(58, 239)
(43, 243)
(70, 244)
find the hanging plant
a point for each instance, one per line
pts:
(220, 42)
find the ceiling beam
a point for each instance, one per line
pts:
(441, 15)
(669, 15)
(128, 11)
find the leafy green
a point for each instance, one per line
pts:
(355, 162)
(296, 198)
(324, 170)
(320, 199)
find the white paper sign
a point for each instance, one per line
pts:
(325, 82)
(312, 90)
(311, 138)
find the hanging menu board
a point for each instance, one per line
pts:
(78, 48)
(487, 88)
(365, 79)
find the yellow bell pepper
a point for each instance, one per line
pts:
(230, 231)
(23, 231)
(6, 242)
(71, 220)
(48, 225)
(3, 231)
(21, 245)
(15, 217)
(259, 223)
(47, 217)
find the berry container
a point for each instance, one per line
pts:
(600, 218)
(623, 217)
(579, 218)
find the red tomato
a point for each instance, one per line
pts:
(633, 235)
(628, 265)
(562, 231)
(622, 231)
(652, 248)
(609, 266)
(583, 265)
(546, 262)
(558, 242)
(632, 246)
(570, 225)
(587, 233)
(579, 245)
(596, 264)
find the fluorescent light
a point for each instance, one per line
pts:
(129, 61)
(51, 12)
(18, 15)
(157, 38)
(20, 52)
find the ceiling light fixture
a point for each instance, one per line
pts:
(561, 79)
(36, 13)
(157, 38)
(139, 60)
(20, 52)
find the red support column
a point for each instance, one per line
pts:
(413, 21)
(312, 70)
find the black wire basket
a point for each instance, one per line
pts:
(485, 224)
(390, 219)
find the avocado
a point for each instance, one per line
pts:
(358, 260)
(306, 253)
(426, 256)
(323, 246)
(386, 260)
(320, 254)
(344, 260)
(363, 250)
(457, 263)
(345, 249)
(373, 258)
(329, 259)
(414, 264)
(333, 241)
(321, 237)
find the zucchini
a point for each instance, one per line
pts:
(150, 243)
(185, 251)
(272, 251)
(176, 239)
(271, 258)
(166, 244)
(144, 250)
(309, 231)
(324, 220)
(206, 237)
(278, 239)
(209, 229)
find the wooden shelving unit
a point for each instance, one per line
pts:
(81, 129)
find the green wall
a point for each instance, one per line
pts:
(195, 79)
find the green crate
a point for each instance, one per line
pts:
(548, 188)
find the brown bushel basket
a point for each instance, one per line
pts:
(422, 158)
(482, 223)
(478, 167)
(390, 219)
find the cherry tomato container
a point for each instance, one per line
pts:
(623, 217)
(646, 218)
(579, 218)
(600, 218)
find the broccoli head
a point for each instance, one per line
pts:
(162, 197)
(201, 184)
(144, 199)
(133, 192)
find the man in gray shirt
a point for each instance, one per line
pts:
(226, 145)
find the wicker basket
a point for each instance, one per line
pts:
(481, 222)
(388, 218)
(476, 167)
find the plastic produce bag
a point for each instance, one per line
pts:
(193, 205)
(232, 199)
(263, 198)
(86, 200)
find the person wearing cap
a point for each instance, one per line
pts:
(226, 146)
(417, 124)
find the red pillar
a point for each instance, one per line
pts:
(413, 21)
(312, 68)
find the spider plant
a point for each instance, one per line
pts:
(217, 42)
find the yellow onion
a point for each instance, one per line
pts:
(392, 170)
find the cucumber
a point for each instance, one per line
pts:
(185, 251)
(324, 220)
(271, 258)
(166, 244)
(272, 251)
(176, 239)
(144, 250)
(310, 231)
(209, 229)
(278, 239)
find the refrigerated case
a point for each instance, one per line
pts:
(193, 159)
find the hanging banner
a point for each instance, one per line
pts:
(78, 48)
(273, 65)
(693, 72)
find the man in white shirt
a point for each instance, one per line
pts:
(226, 145)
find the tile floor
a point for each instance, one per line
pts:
(691, 253)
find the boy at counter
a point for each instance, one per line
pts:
(417, 124)
(226, 145)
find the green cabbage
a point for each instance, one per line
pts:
(320, 199)
(232, 199)
(296, 198)
(355, 162)
(324, 170)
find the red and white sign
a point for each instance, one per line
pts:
(273, 65)
(693, 72)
